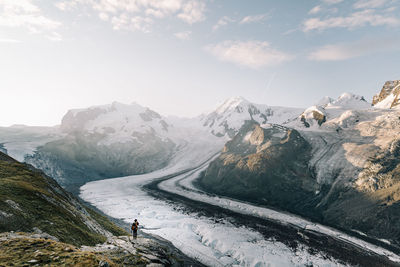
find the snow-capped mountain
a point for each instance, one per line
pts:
(107, 141)
(331, 114)
(229, 117)
(351, 176)
(389, 96)
(118, 122)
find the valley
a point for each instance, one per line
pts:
(243, 185)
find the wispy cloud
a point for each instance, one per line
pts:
(183, 35)
(315, 10)
(140, 14)
(254, 18)
(369, 3)
(250, 54)
(332, 2)
(352, 21)
(344, 51)
(25, 14)
(225, 20)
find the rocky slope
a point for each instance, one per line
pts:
(43, 225)
(30, 201)
(345, 172)
(389, 96)
(267, 165)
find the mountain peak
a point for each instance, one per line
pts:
(350, 100)
(231, 103)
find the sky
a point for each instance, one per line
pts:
(183, 57)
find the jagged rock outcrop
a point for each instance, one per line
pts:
(313, 114)
(389, 96)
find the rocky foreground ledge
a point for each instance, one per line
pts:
(41, 249)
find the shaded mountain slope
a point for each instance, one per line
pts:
(29, 201)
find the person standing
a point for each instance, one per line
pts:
(135, 227)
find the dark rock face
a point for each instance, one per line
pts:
(320, 118)
(149, 115)
(388, 88)
(268, 166)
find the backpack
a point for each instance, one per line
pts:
(134, 226)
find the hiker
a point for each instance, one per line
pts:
(135, 226)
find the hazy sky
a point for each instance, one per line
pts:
(182, 57)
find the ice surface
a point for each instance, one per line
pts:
(214, 244)
(183, 185)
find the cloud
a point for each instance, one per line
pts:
(315, 10)
(332, 2)
(183, 35)
(192, 12)
(25, 14)
(253, 18)
(251, 54)
(135, 23)
(369, 4)
(140, 14)
(225, 20)
(354, 20)
(338, 52)
(54, 36)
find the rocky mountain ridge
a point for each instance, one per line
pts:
(352, 168)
